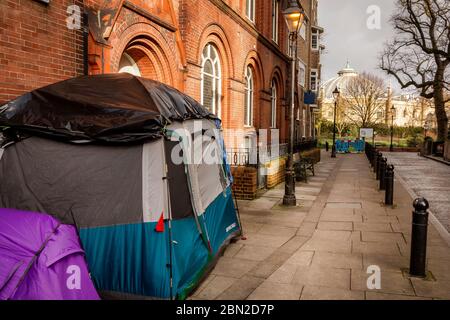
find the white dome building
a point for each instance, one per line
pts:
(341, 81)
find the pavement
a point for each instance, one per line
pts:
(425, 178)
(323, 247)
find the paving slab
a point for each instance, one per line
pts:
(370, 295)
(344, 246)
(391, 282)
(241, 289)
(254, 253)
(271, 229)
(335, 226)
(276, 291)
(385, 248)
(373, 226)
(390, 263)
(235, 268)
(301, 258)
(327, 293)
(322, 276)
(307, 229)
(215, 287)
(432, 289)
(338, 260)
(389, 237)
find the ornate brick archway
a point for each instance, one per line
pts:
(149, 61)
(151, 52)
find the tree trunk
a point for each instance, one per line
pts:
(441, 115)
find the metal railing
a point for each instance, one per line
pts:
(253, 156)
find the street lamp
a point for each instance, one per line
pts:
(336, 94)
(391, 148)
(294, 16)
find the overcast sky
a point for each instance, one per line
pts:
(347, 35)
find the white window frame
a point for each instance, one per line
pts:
(316, 81)
(249, 97)
(217, 78)
(273, 104)
(301, 77)
(275, 22)
(250, 10)
(315, 34)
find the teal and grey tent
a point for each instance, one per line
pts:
(138, 167)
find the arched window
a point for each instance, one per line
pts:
(211, 86)
(275, 14)
(273, 122)
(249, 89)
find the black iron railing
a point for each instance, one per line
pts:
(253, 156)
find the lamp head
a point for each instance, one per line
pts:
(294, 16)
(336, 93)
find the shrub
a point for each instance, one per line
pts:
(414, 140)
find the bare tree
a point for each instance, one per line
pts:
(342, 123)
(419, 54)
(364, 97)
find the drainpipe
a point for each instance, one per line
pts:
(85, 44)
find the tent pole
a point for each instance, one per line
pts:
(238, 213)
(170, 237)
(169, 209)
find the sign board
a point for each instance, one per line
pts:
(366, 132)
(309, 98)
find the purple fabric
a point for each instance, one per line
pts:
(58, 272)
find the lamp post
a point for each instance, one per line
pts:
(391, 147)
(294, 16)
(336, 94)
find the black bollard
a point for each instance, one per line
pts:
(389, 182)
(383, 165)
(378, 164)
(373, 157)
(419, 238)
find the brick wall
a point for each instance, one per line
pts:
(277, 174)
(245, 184)
(36, 47)
(245, 178)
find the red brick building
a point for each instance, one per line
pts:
(36, 47)
(231, 55)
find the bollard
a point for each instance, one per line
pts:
(374, 155)
(383, 165)
(378, 164)
(389, 182)
(419, 238)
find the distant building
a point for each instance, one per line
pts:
(410, 110)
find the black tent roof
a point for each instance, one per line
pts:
(109, 108)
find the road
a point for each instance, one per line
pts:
(426, 178)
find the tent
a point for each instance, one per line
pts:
(138, 167)
(41, 259)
